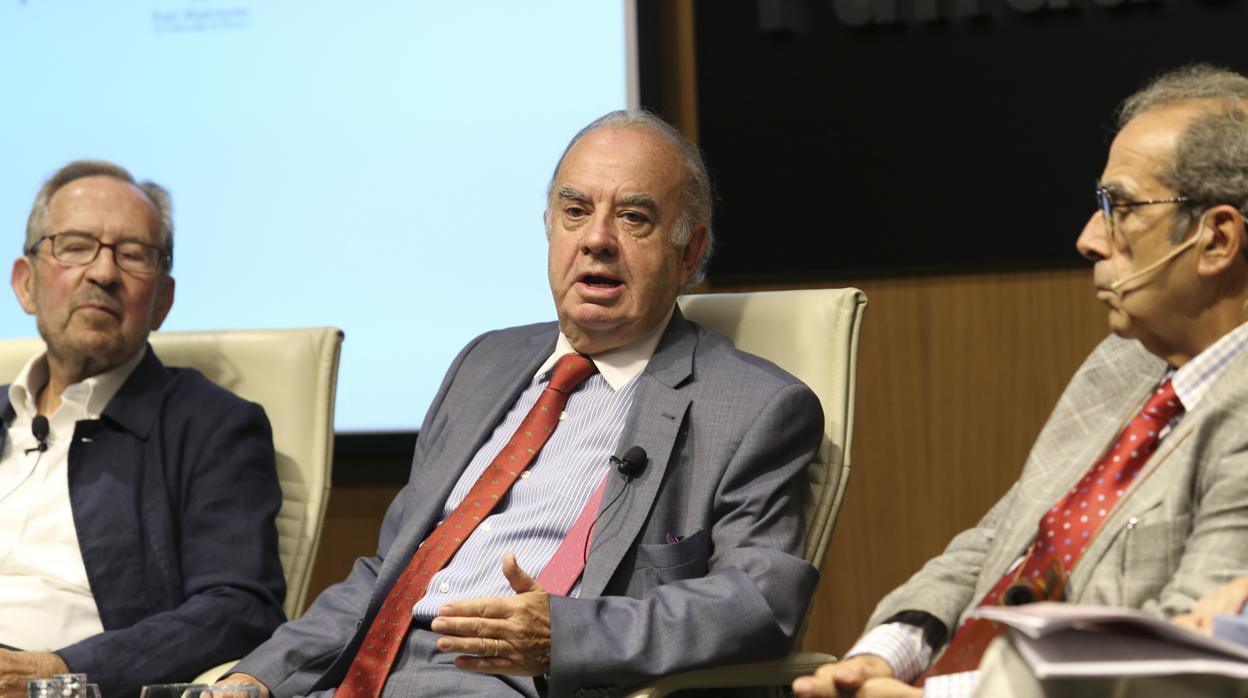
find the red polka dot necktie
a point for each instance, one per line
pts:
(385, 636)
(1066, 530)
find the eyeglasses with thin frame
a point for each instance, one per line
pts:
(1108, 204)
(81, 249)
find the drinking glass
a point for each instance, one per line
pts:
(44, 688)
(221, 690)
(167, 690)
(73, 685)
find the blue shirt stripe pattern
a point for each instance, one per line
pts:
(542, 505)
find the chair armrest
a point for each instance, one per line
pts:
(779, 672)
(214, 674)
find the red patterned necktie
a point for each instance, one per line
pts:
(1066, 530)
(385, 636)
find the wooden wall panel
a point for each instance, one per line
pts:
(956, 376)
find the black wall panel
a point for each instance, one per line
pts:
(863, 137)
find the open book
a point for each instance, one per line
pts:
(1060, 640)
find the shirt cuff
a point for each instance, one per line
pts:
(960, 685)
(900, 645)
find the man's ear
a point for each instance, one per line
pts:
(164, 301)
(23, 281)
(1223, 228)
(693, 250)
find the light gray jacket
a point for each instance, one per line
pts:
(1182, 530)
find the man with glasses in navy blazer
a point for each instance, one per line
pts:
(137, 502)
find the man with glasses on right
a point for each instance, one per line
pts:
(1135, 493)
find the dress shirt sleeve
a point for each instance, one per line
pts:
(960, 685)
(900, 645)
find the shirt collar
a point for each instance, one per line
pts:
(1195, 378)
(91, 394)
(618, 366)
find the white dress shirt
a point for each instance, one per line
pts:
(45, 597)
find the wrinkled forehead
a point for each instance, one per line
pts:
(1144, 148)
(634, 160)
(104, 206)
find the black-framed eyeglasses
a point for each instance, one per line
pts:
(1108, 204)
(81, 249)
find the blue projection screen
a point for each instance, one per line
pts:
(378, 165)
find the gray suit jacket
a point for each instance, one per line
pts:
(728, 436)
(1181, 531)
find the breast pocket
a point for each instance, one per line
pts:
(664, 563)
(1151, 553)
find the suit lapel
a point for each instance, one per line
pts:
(656, 421)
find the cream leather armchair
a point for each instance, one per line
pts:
(812, 334)
(293, 374)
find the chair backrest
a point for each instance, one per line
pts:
(812, 334)
(293, 374)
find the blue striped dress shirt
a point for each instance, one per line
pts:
(538, 511)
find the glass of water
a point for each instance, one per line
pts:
(73, 685)
(44, 688)
(222, 690)
(167, 690)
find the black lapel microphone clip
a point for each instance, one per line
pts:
(632, 463)
(39, 427)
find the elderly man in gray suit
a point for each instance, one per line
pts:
(1136, 491)
(688, 556)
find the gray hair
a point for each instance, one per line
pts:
(1210, 162)
(40, 213)
(697, 204)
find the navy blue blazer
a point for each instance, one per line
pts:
(175, 494)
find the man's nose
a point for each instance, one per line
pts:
(599, 237)
(103, 269)
(1093, 242)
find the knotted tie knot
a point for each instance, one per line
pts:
(1163, 405)
(570, 371)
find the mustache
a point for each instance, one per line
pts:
(97, 296)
